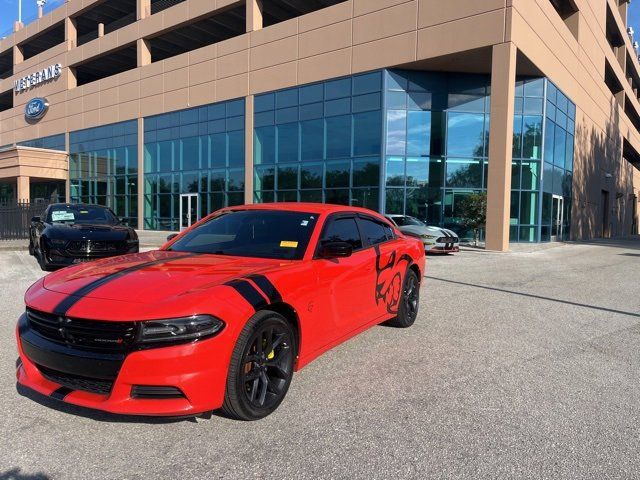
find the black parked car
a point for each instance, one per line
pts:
(68, 234)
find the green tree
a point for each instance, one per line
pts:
(473, 212)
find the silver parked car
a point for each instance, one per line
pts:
(435, 239)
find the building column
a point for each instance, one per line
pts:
(143, 9)
(23, 190)
(140, 198)
(503, 83)
(248, 149)
(254, 15)
(144, 52)
(70, 33)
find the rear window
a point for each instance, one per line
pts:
(343, 230)
(375, 232)
(252, 233)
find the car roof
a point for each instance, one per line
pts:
(317, 208)
(76, 205)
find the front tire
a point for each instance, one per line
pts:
(409, 301)
(42, 259)
(261, 367)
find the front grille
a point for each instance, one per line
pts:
(447, 240)
(108, 337)
(75, 382)
(94, 246)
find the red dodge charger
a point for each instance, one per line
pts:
(222, 315)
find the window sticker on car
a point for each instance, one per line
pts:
(287, 244)
(61, 216)
(304, 223)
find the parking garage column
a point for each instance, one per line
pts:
(70, 33)
(503, 81)
(23, 193)
(254, 15)
(143, 9)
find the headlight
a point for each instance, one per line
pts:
(178, 330)
(429, 237)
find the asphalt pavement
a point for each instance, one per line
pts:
(520, 365)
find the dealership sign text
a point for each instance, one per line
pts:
(36, 78)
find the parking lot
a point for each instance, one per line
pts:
(520, 365)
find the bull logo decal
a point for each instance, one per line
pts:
(389, 276)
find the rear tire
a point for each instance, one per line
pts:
(261, 367)
(409, 302)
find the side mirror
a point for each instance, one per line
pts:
(35, 219)
(171, 237)
(336, 250)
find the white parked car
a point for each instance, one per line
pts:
(435, 239)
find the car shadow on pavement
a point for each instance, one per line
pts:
(540, 297)
(14, 474)
(97, 414)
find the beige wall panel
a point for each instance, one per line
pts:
(91, 101)
(273, 33)
(232, 65)
(179, 80)
(151, 70)
(109, 82)
(203, 54)
(151, 105)
(385, 23)
(109, 114)
(91, 118)
(362, 7)
(202, 72)
(176, 63)
(325, 39)
(109, 97)
(232, 87)
(198, 8)
(129, 92)
(128, 34)
(273, 78)
(128, 110)
(386, 52)
(152, 85)
(74, 122)
(325, 66)
(202, 94)
(275, 53)
(334, 14)
(151, 24)
(176, 100)
(233, 45)
(488, 29)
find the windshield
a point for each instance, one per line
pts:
(406, 221)
(81, 214)
(252, 233)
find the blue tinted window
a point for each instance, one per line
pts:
(263, 103)
(367, 83)
(311, 93)
(396, 132)
(264, 145)
(337, 107)
(367, 133)
(559, 150)
(418, 133)
(337, 89)
(288, 143)
(311, 111)
(287, 98)
(465, 134)
(338, 136)
(312, 140)
(363, 103)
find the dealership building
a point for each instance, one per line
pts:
(166, 110)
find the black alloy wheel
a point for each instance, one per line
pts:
(261, 367)
(409, 302)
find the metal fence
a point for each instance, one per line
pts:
(15, 218)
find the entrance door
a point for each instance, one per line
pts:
(606, 232)
(557, 218)
(188, 210)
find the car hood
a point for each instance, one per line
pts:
(427, 230)
(155, 276)
(88, 232)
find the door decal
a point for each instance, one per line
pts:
(389, 279)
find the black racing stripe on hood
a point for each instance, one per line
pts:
(60, 393)
(65, 305)
(267, 287)
(248, 292)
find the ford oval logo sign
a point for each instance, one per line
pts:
(36, 108)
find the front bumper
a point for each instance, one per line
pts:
(443, 248)
(197, 370)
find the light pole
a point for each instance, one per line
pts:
(19, 11)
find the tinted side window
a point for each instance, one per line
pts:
(343, 230)
(375, 232)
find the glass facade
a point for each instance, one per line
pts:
(53, 142)
(560, 117)
(437, 138)
(103, 168)
(320, 143)
(198, 151)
